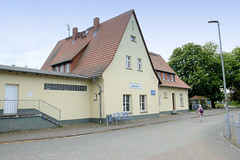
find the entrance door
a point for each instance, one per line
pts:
(11, 97)
(173, 101)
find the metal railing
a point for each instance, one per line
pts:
(29, 107)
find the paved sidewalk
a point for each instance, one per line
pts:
(86, 129)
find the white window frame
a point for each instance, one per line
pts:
(159, 100)
(62, 68)
(56, 69)
(142, 100)
(172, 78)
(95, 96)
(67, 68)
(164, 77)
(139, 64)
(165, 95)
(168, 77)
(159, 75)
(128, 62)
(181, 100)
(126, 100)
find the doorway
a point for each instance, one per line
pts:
(11, 97)
(173, 101)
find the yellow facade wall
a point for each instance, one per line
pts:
(117, 77)
(95, 105)
(73, 104)
(165, 102)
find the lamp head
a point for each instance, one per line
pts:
(215, 21)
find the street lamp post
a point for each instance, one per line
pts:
(228, 129)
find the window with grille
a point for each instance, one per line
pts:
(126, 103)
(139, 64)
(142, 99)
(181, 99)
(128, 61)
(64, 87)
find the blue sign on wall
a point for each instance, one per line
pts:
(153, 92)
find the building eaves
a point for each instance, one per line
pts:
(39, 72)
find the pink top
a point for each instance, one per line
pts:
(198, 111)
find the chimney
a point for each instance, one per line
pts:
(96, 23)
(75, 32)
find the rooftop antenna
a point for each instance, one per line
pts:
(68, 28)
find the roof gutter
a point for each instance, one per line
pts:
(100, 98)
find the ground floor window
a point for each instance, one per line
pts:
(165, 95)
(65, 87)
(159, 100)
(126, 103)
(181, 99)
(142, 103)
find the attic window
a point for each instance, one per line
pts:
(172, 78)
(56, 69)
(62, 68)
(159, 75)
(67, 66)
(94, 34)
(132, 25)
(133, 39)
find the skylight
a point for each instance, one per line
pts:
(73, 41)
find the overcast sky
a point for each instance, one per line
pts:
(29, 29)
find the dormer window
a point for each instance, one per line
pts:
(172, 78)
(56, 69)
(67, 66)
(168, 77)
(164, 78)
(159, 75)
(62, 68)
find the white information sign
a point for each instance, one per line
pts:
(135, 86)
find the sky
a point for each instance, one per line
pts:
(29, 29)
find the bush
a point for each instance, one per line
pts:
(219, 105)
(234, 103)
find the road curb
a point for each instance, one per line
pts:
(229, 143)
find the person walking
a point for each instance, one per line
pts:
(200, 112)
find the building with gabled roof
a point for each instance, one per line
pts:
(172, 92)
(91, 51)
(102, 70)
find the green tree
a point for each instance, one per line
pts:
(199, 67)
(234, 78)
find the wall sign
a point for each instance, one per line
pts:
(153, 92)
(135, 86)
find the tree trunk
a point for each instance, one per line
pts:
(213, 104)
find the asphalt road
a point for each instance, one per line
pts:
(186, 139)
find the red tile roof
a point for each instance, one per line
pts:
(99, 49)
(160, 65)
(198, 97)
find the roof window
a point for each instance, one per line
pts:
(73, 41)
(94, 34)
